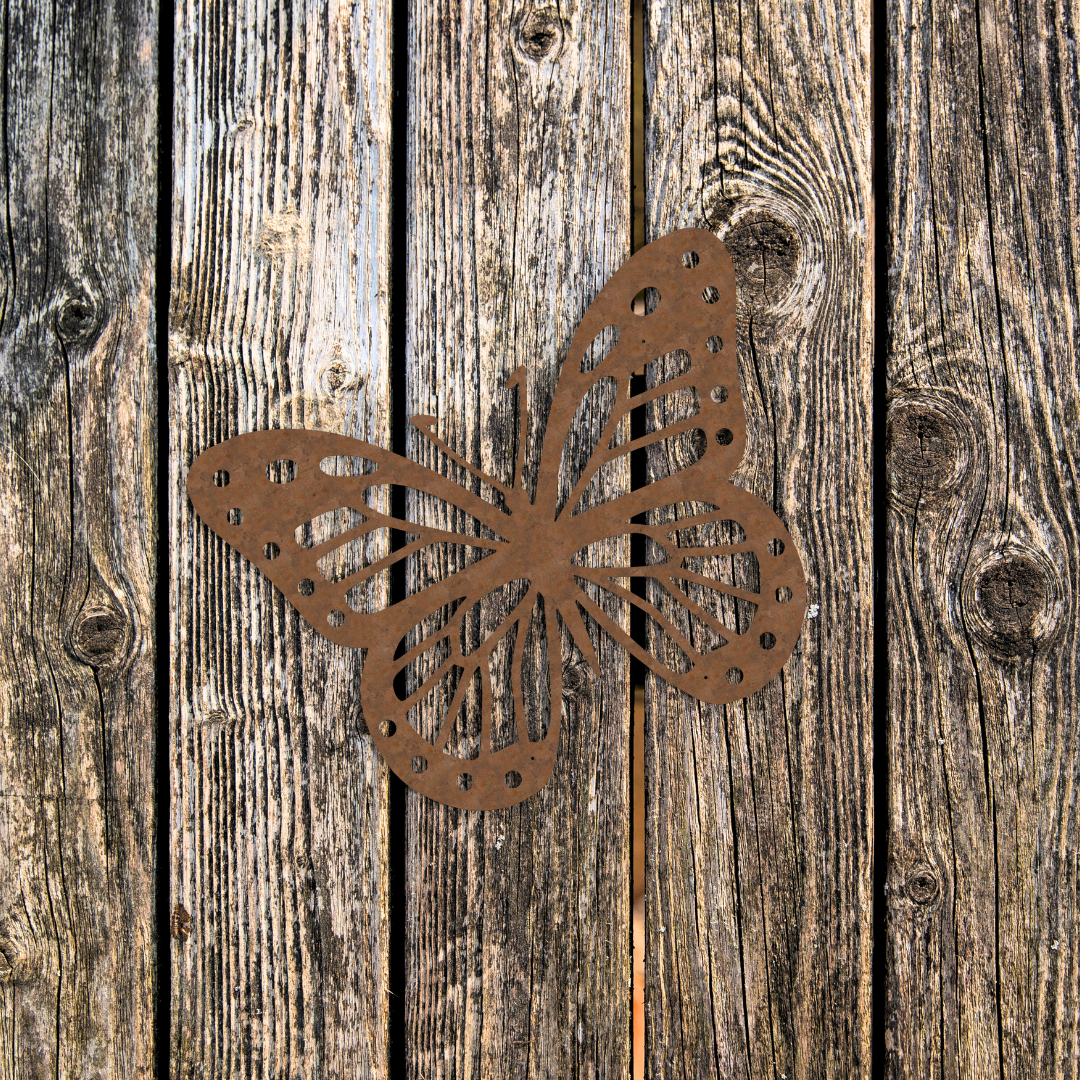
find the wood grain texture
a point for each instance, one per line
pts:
(519, 919)
(279, 318)
(79, 540)
(760, 815)
(984, 558)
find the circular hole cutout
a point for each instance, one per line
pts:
(235, 516)
(719, 394)
(645, 302)
(306, 587)
(690, 259)
(513, 779)
(221, 478)
(710, 294)
(419, 764)
(783, 594)
(776, 547)
(464, 781)
(388, 728)
(767, 640)
(734, 676)
(335, 617)
(714, 344)
(271, 550)
(724, 437)
(282, 471)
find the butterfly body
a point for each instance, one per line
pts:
(538, 542)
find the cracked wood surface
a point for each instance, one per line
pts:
(279, 318)
(760, 814)
(518, 929)
(79, 550)
(983, 540)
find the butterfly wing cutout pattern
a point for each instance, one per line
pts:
(727, 596)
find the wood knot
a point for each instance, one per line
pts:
(79, 319)
(539, 35)
(100, 637)
(576, 682)
(20, 965)
(338, 372)
(930, 446)
(337, 375)
(765, 253)
(1014, 597)
(922, 885)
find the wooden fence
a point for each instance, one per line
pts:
(379, 210)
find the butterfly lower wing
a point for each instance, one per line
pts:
(725, 607)
(441, 688)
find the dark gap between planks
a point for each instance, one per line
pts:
(397, 1032)
(162, 775)
(638, 478)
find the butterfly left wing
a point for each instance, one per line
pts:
(263, 491)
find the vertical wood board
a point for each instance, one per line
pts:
(79, 541)
(518, 946)
(279, 318)
(760, 814)
(983, 542)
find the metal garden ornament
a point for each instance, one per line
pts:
(722, 635)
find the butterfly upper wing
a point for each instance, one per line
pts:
(727, 608)
(232, 491)
(682, 321)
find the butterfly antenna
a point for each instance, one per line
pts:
(426, 425)
(518, 378)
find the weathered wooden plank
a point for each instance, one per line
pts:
(78, 554)
(983, 539)
(279, 318)
(760, 818)
(518, 148)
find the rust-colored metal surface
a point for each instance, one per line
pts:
(731, 596)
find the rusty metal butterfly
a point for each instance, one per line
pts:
(728, 593)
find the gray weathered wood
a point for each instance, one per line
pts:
(79, 547)
(760, 815)
(984, 551)
(279, 317)
(518, 949)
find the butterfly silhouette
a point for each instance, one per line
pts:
(461, 674)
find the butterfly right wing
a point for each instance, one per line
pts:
(727, 597)
(742, 566)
